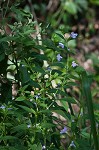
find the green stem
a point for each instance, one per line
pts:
(6, 8)
(17, 68)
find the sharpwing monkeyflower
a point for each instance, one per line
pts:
(61, 45)
(68, 49)
(37, 96)
(59, 57)
(28, 125)
(74, 64)
(64, 130)
(73, 35)
(2, 107)
(43, 147)
(48, 68)
(72, 144)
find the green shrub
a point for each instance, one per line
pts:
(48, 83)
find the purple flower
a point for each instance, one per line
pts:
(61, 45)
(72, 144)
(43, 147)
(74, 64)
(73, 35)
(59, 57)
(64, 130)
(2, 107)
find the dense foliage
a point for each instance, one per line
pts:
(45, 95)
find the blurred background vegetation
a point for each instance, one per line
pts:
(48, 16)
(81, 16)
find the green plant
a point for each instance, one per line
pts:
(48, 83)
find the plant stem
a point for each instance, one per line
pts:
(17, 68)
(6, 8)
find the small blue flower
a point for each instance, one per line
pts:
(28, 125)
(73, 120)
(13, 98)
(68, 49)
(49, 68)
(74, 64)
(10, 108)
(31, 100)
(73, 35)
(61, 45)
(37, 96)
(64, 130)
(58, 85)
(2, 107)
(43, 147)
(72, 144)
(59, 57)
(23, 65)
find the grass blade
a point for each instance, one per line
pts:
(87, 94)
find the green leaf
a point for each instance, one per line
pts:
(84, 144)
(24, 75)
(47, 125)
(52, 91)
(41, 57)
(40, 47)
(82, 4)
(72, 84)
(2, 56)
(18, 128)
(12, 148)
(22, 89)
(79, 69)
(54, 71)
(95, 2)
(69, 100)
(60, 35)
(28, 32)
(39, 147)
(72, 44)
(64, 104)
(6, 92)
(34, 147)
(8, 38)
(70, 7)
(38, 69)
(57, 91)
(29, 43)
(8, 138)
(63, 114)
(89, 104)
(21, 98)
(49, 44)
(34, 83)
(58, 64)
(30, 110)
